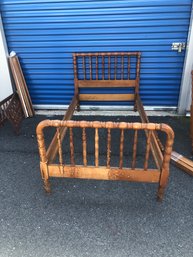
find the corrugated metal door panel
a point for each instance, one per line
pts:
(45, 33)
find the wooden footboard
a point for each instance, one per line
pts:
(84, 169)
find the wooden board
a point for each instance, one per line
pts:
(21, 86)
(139, 175)
(106, 83)
(182, 162)
(106, 97)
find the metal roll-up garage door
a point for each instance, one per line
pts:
(45, 33)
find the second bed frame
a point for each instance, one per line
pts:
(106, 71)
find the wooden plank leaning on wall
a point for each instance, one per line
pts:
(21, 86)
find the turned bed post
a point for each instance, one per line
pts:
(166, 161)
(43, 156)
(76, 93)
(137, 80)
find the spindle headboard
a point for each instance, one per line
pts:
(106, 70)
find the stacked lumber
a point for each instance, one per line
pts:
(182, 162)
(21, 86)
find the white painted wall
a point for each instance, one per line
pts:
(186, 87)
(6, 88)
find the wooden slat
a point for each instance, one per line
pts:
(106, 83)
(182, 162)
(90, 172)
(178, 157)
(19, 84)
(182, 165)
(28, 99)
(106, 97)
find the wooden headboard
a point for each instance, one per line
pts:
(106, 70)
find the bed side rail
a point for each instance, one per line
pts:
(156, 145)
(53, 147)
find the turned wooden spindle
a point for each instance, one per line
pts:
(133, 165)
(84, 151)
(103, 68)
(108, 147)
(137, 73)
(84, 67)
(90, 66)
(109, 67)
(96, 66)
(71, 148)
(122, 67)
(76, 91)
(138, 65)
(115, 69)
(129, 67)
(121, 149)
(96, 147)
(75, 60)
(59, 146)
(148, 145)
(61, 162)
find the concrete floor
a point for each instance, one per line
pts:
(90, 218)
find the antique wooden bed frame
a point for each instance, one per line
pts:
(106, 70)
